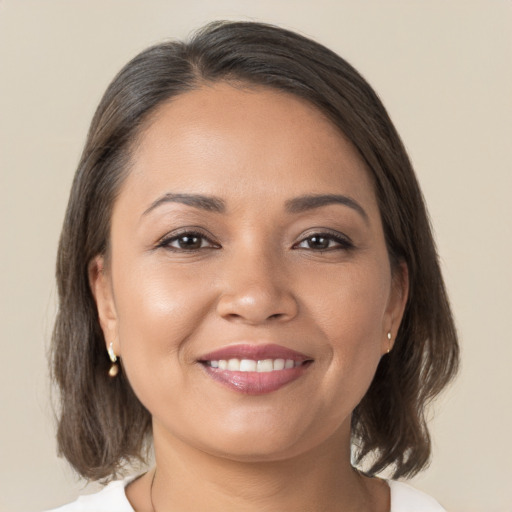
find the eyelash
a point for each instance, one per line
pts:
(166, 241)
(344, 243)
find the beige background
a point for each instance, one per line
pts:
(442, 68)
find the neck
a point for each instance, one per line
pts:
(321, 479)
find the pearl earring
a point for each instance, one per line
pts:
(389, 342)
(114, 368)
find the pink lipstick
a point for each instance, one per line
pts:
(255, 369)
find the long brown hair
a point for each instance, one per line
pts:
(102, 425)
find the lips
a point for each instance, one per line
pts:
(255, 369)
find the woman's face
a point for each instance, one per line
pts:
(249, 291)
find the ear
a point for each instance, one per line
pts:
(396, 305)
(101, 286)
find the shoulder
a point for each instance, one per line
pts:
(112, 498)
(405, 498)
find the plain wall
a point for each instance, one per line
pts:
(443, 70)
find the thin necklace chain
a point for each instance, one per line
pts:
(153, 509)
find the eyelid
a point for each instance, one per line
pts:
(166, 240)
(343, 241)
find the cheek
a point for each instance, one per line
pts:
(158, 310)
(153, 302)
(350, 304)
(350, 314)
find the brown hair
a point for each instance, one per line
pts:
(102, 424)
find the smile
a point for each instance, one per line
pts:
(250, 365)
(255, 369)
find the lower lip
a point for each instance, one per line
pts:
(256, 383)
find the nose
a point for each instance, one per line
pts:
(256, 290)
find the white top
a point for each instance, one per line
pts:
(112, 498)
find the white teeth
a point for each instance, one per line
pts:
(265, 365)
(234, 365)
(249, 365)
(279, 364)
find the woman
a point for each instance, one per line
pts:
(248, 283)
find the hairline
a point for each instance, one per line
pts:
(200, 82)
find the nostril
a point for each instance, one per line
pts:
(255, 305)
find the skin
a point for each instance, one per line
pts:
(257, 277)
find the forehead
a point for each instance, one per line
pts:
(221, 138)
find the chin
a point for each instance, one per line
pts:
(267, 441)
(253, 451)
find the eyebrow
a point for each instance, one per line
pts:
(296, 205)
(309, 202)
(209, 203)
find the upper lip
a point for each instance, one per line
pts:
(255, 352)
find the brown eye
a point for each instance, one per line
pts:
(325, 242)
(187, 241)
(318, 242)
